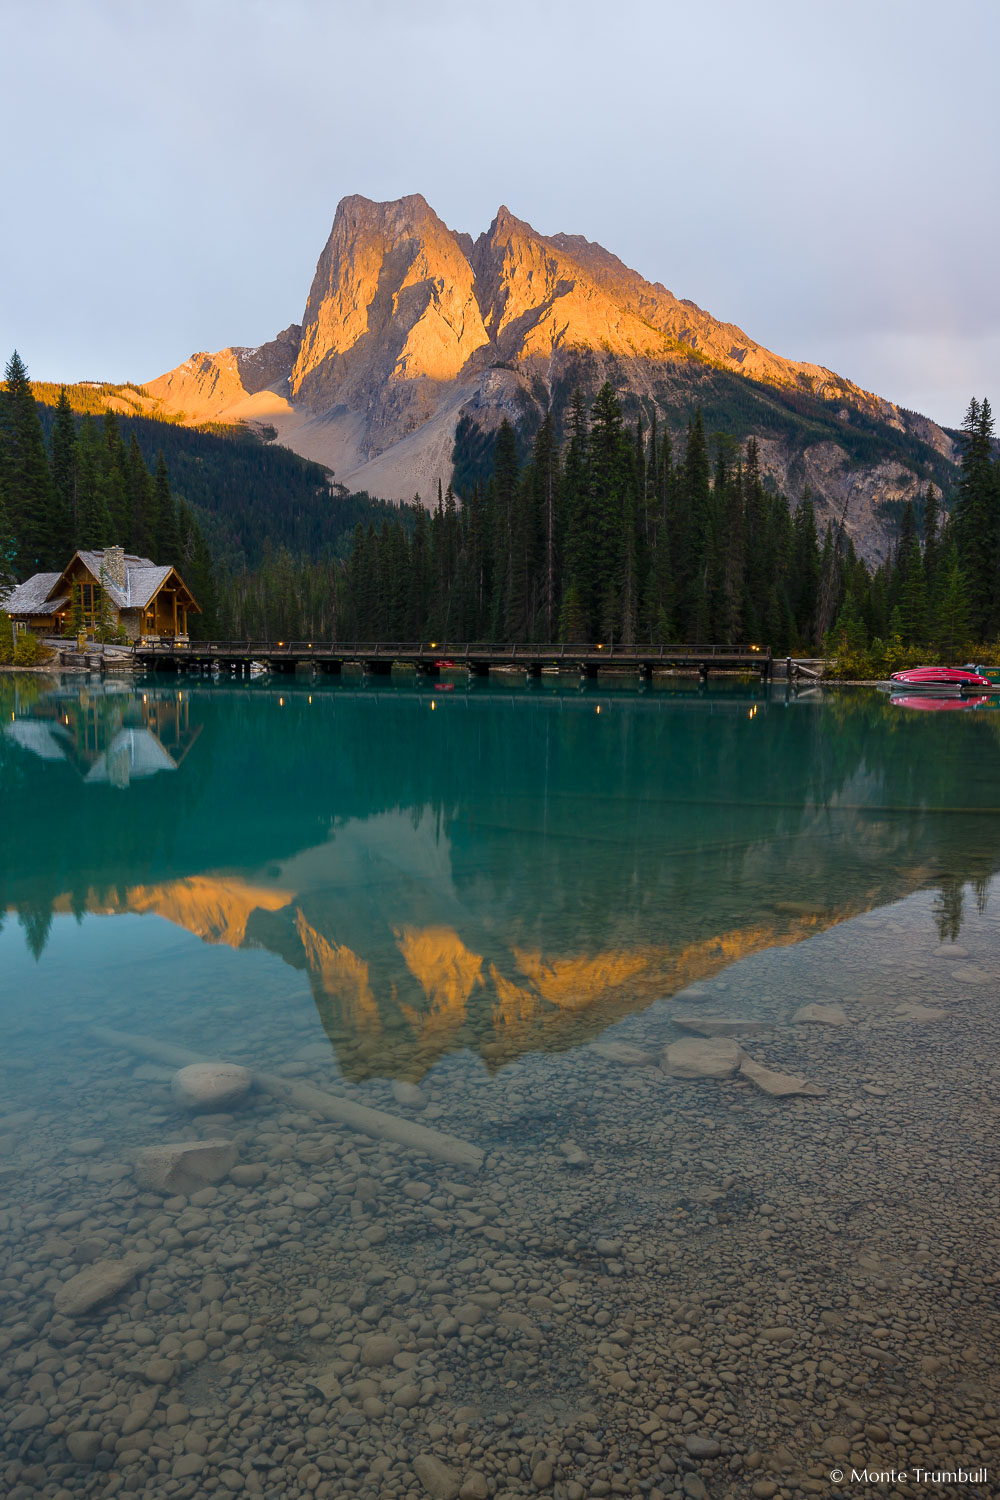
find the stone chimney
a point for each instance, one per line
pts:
(113, 564)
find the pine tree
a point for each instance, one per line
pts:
(94, 525)
(167, 536)
(200, 578)
(849, 633)
(478, 560)
(8, 551)
(545, 461)
(24, 474)
(572, 615)
(932, 538)
(520, 562)
(694, 539)
(951, 623)
(139, 485)
(912, 604)
(418, 585)
(735, 558)
(608, 465)
(577, 551)
(64, 497)
(805, 572)
(632, 553)
(976, 519)
(502, 495)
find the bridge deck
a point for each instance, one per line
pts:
(476, 656)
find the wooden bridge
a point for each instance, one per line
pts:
(478, 657)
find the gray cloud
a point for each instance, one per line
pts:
(823, 176)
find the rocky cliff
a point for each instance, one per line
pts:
(409, 326)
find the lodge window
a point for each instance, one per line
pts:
(90, 602)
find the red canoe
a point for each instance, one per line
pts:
(932, 677)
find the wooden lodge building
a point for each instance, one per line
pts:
(116, 589)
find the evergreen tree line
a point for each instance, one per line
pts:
(87, 489)
(940, 588)
(611, 538)
(617, 537)
(245, 492)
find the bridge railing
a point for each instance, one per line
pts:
(552, 651)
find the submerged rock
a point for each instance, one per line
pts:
(28, 1418)
(379, 1350)
(910, 1010)
(823, 1015)
(409, 1095)
(624, 1053)
(84, 1446)
(211, 1085)
(780, 1085)
(702, 1057)
(721, 1025)
(441, 1482)
(184, 1167)
(96, 1284)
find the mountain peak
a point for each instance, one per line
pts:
(409, 325)
(357, 206)
(392, 303)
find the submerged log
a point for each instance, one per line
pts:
(376, 1123)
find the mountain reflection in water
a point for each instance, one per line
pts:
(512, 872)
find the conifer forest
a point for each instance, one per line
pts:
(607, 531)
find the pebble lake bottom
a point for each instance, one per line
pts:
(573, 1263)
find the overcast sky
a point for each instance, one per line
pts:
(823, 175)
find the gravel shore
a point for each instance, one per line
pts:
(655, 1285)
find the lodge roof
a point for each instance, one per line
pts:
(42, 595)
(134, 565)
(32, 596)
(141, 585)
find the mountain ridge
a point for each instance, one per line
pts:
(410, 326)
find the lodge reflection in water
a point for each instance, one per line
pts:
(511, 872)
(108, 734)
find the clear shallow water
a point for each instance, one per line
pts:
(358, 888)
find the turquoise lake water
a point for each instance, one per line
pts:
(481, 910)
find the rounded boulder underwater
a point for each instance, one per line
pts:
(211, 1085)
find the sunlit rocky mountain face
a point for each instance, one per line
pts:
(410, 327)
